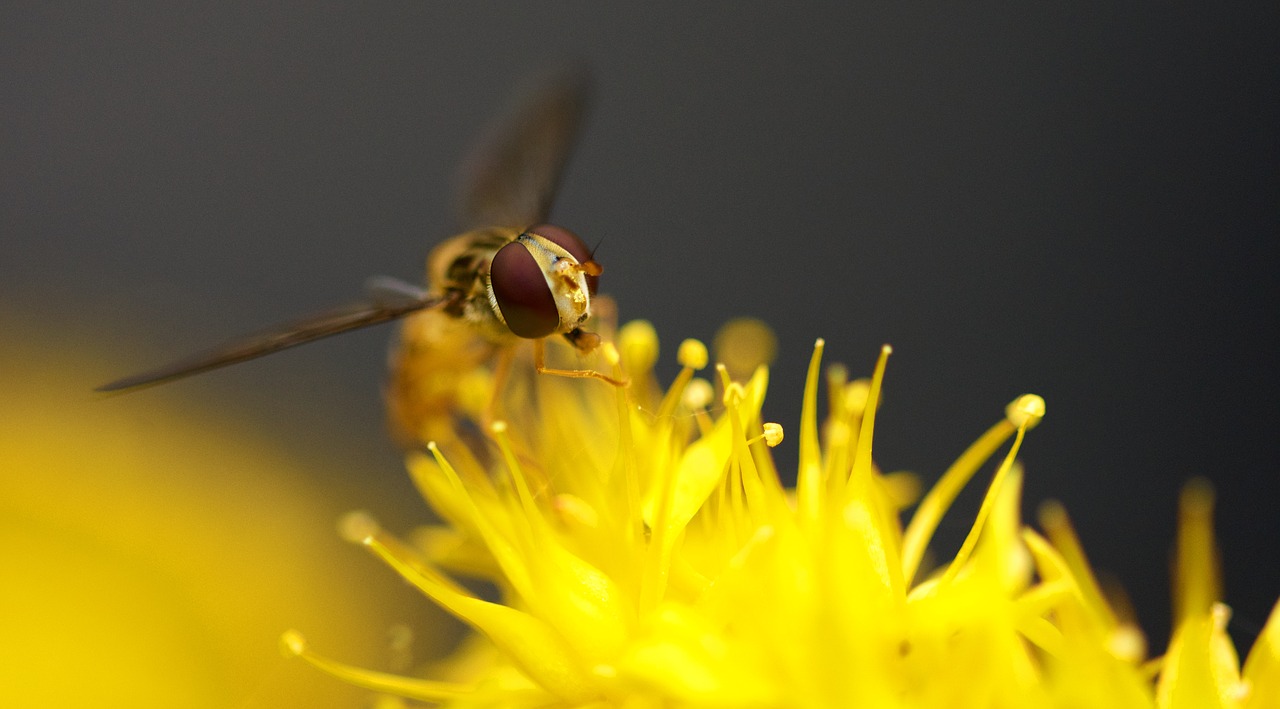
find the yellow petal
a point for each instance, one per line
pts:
(1262, 669)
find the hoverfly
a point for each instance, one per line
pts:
(509, 277)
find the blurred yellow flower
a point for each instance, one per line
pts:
(152, 549)
(647, 555)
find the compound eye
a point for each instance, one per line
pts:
(570, 242)
(522, 292)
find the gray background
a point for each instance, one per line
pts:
(1077, 201)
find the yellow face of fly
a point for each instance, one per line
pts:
(566, 277)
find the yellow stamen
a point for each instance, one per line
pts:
(939, 498)
(507, 557)
(638, 342)
(638, 349)
(1262, 670)
(809, 481)
(692, 356)
(292, 644)
(698, 395)
(529, 642)
(744, 344)
(1196, 584)
(860, 476)
(1056, 524)
(771, 436)
(1026, 409)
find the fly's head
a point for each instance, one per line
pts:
(541, 284)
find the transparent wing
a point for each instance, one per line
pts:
(510, 179)
(332, 322)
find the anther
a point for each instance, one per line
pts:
(292, 644)
(744, 344)
(772, 434)
(358, 526)
(692, 354)
(638, 341)
(698, 394)
(1025, 411)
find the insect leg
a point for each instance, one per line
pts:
(540, 364)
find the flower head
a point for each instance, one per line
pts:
(150, 544)
(647, 553)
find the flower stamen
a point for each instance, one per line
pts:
(989, 500)
(293, 644)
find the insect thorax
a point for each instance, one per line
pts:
(459, 267)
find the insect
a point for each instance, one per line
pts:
(510, 277)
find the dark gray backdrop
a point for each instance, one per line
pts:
(1079, 202)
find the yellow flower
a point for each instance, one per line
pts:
(646, 554)
(151, 546)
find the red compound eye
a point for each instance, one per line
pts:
(570, 242)
(522, 292)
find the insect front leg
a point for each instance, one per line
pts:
(585, 342)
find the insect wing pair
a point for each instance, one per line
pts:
(511, 277)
